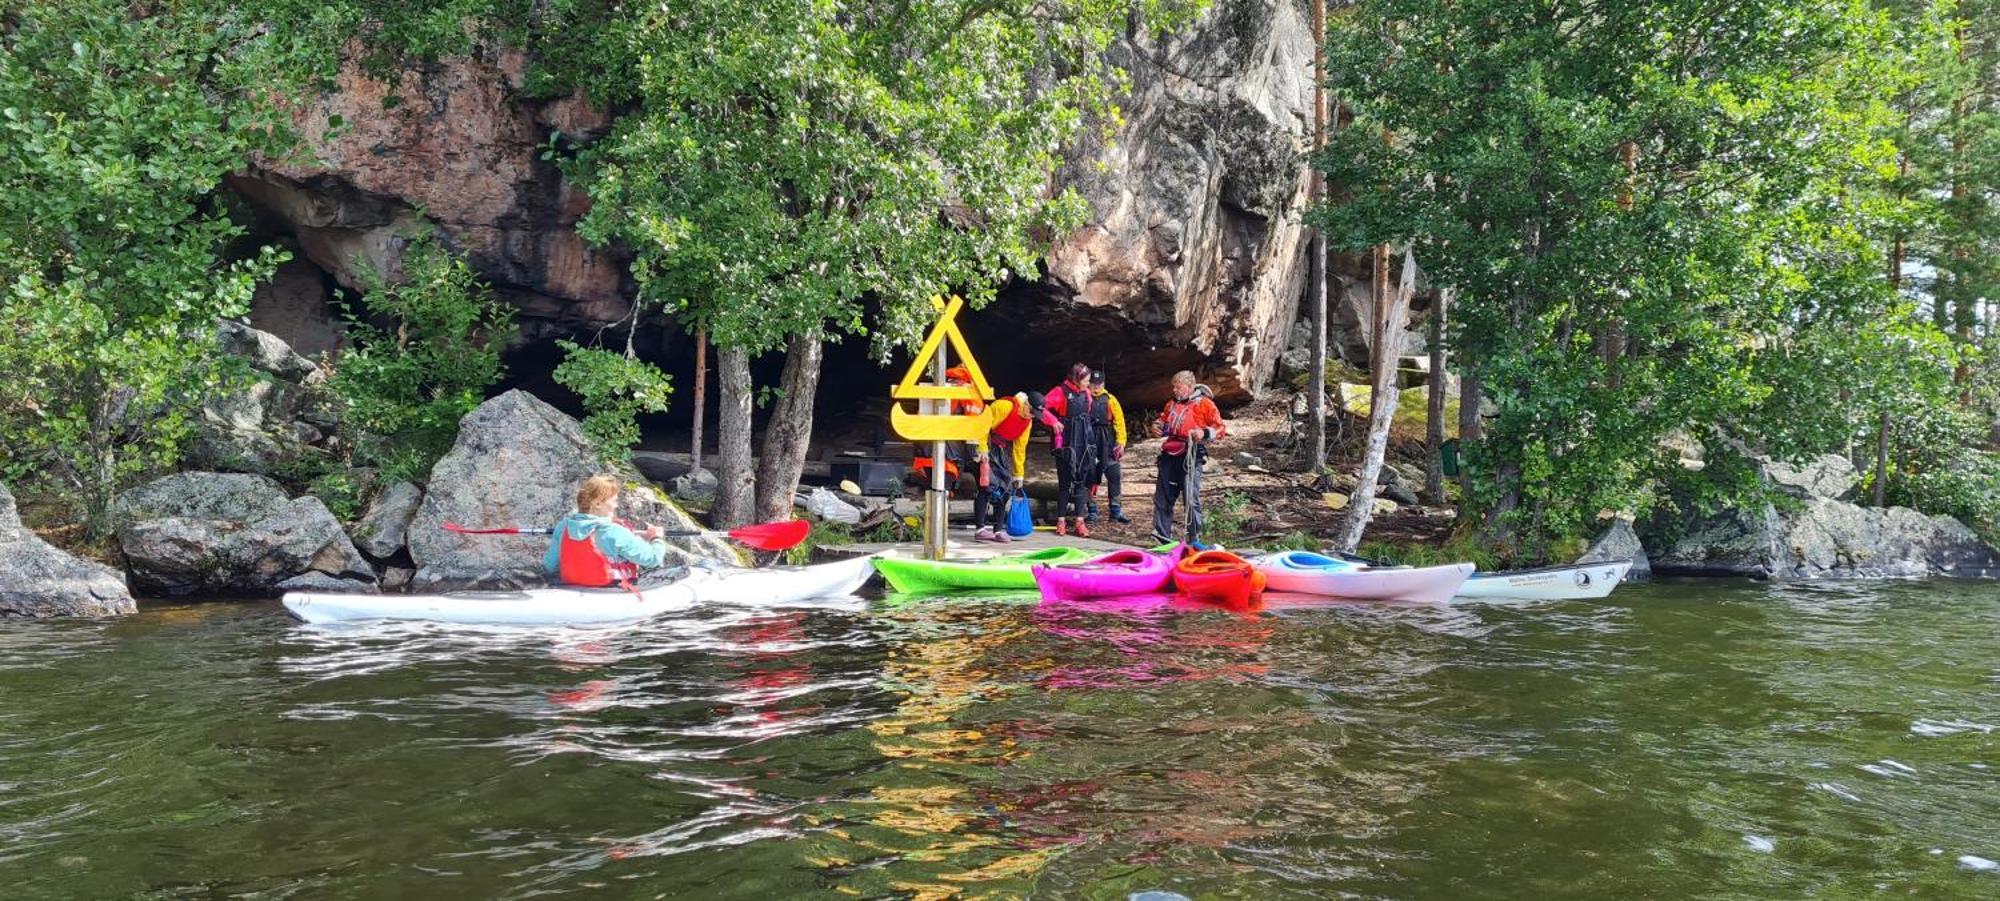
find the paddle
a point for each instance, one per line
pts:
(770, 536)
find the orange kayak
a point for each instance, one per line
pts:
(1219, 577)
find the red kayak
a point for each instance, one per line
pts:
(1219, 577)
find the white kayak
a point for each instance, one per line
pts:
(1304, 572)
(566, 605)
(1581, 581)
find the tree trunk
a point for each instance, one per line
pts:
(1434, 410)
(732, 452)
(1468, 424)
(1387, 326)
(1882, 460)
(1316, 268)
(789, 431)
(700, 394)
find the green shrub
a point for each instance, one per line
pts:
(616, 388)
(405, 389)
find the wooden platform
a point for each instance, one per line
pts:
(962, 547)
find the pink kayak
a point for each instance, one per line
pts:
(1116, 574)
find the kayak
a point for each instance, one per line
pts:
(1219, 577)
(1010, 572)
(1115, 574)
(1305, 572)
(570, 605)
(776, 585)
(1579, 581)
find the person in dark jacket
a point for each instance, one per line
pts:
(1110, 428)
(1075, 412)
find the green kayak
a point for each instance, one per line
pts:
(919, 576)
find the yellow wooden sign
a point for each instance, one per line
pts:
(933, 426)
(944, 333)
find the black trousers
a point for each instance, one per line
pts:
(1074, 466)
(1172, 485)
(1110, 473)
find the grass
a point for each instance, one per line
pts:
(1228, 516)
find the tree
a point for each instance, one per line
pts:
(1629, 205)
(792, 173)
(116, 124)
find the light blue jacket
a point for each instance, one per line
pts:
(618, 543)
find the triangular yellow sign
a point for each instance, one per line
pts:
(946, 331)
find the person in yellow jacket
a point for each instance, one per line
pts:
(1002, 458)
(1110, 434)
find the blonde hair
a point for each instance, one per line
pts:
(595, 491)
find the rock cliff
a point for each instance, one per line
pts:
(1194, 256)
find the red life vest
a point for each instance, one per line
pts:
(1012, 426)
(579, 561)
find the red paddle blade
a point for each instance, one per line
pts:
(773, 536)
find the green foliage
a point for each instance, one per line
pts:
(1486, 556)
(824, 533)
(1634, 209)
(405, 388)
(1225, 518)
(785, 160)
(616, 388)
(115, 124)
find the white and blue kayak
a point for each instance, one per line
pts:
(1577, 581)
(563, 606)
(1304, 572)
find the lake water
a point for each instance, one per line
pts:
(1692, 740)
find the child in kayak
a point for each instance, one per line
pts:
(1110, 430)
(1075, 411)
(1189, 421)
(591, 549)
(1003, 460)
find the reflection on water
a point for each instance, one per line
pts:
(1676, 740)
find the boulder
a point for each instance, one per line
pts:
(1620, 542)
(696, 486)
(1828, 476)
(828, 506)
(229, 534)
(38, 579)
(272, 417)
(518, 462)
(385, 526)
(1816, 538)
(1396, 486)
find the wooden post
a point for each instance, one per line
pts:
(700, 391)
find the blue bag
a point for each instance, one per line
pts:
(1020, 516)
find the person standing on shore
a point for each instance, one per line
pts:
(1187, 424)
(1110, 431)
(1075, 411)
(1002, 459)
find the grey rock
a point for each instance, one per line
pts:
(1246, 458)
(517, 462)
(258, 426)
(397, 578)
(264, 351)
(1819, 538)
(319, 581)
(1620, 541)
(38, 579)
(1395, 486)
(229, 534)
(386, 524)
(1828, 476)
(695, 486)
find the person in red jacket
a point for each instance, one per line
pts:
(1074, 407)
(1188, 423)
